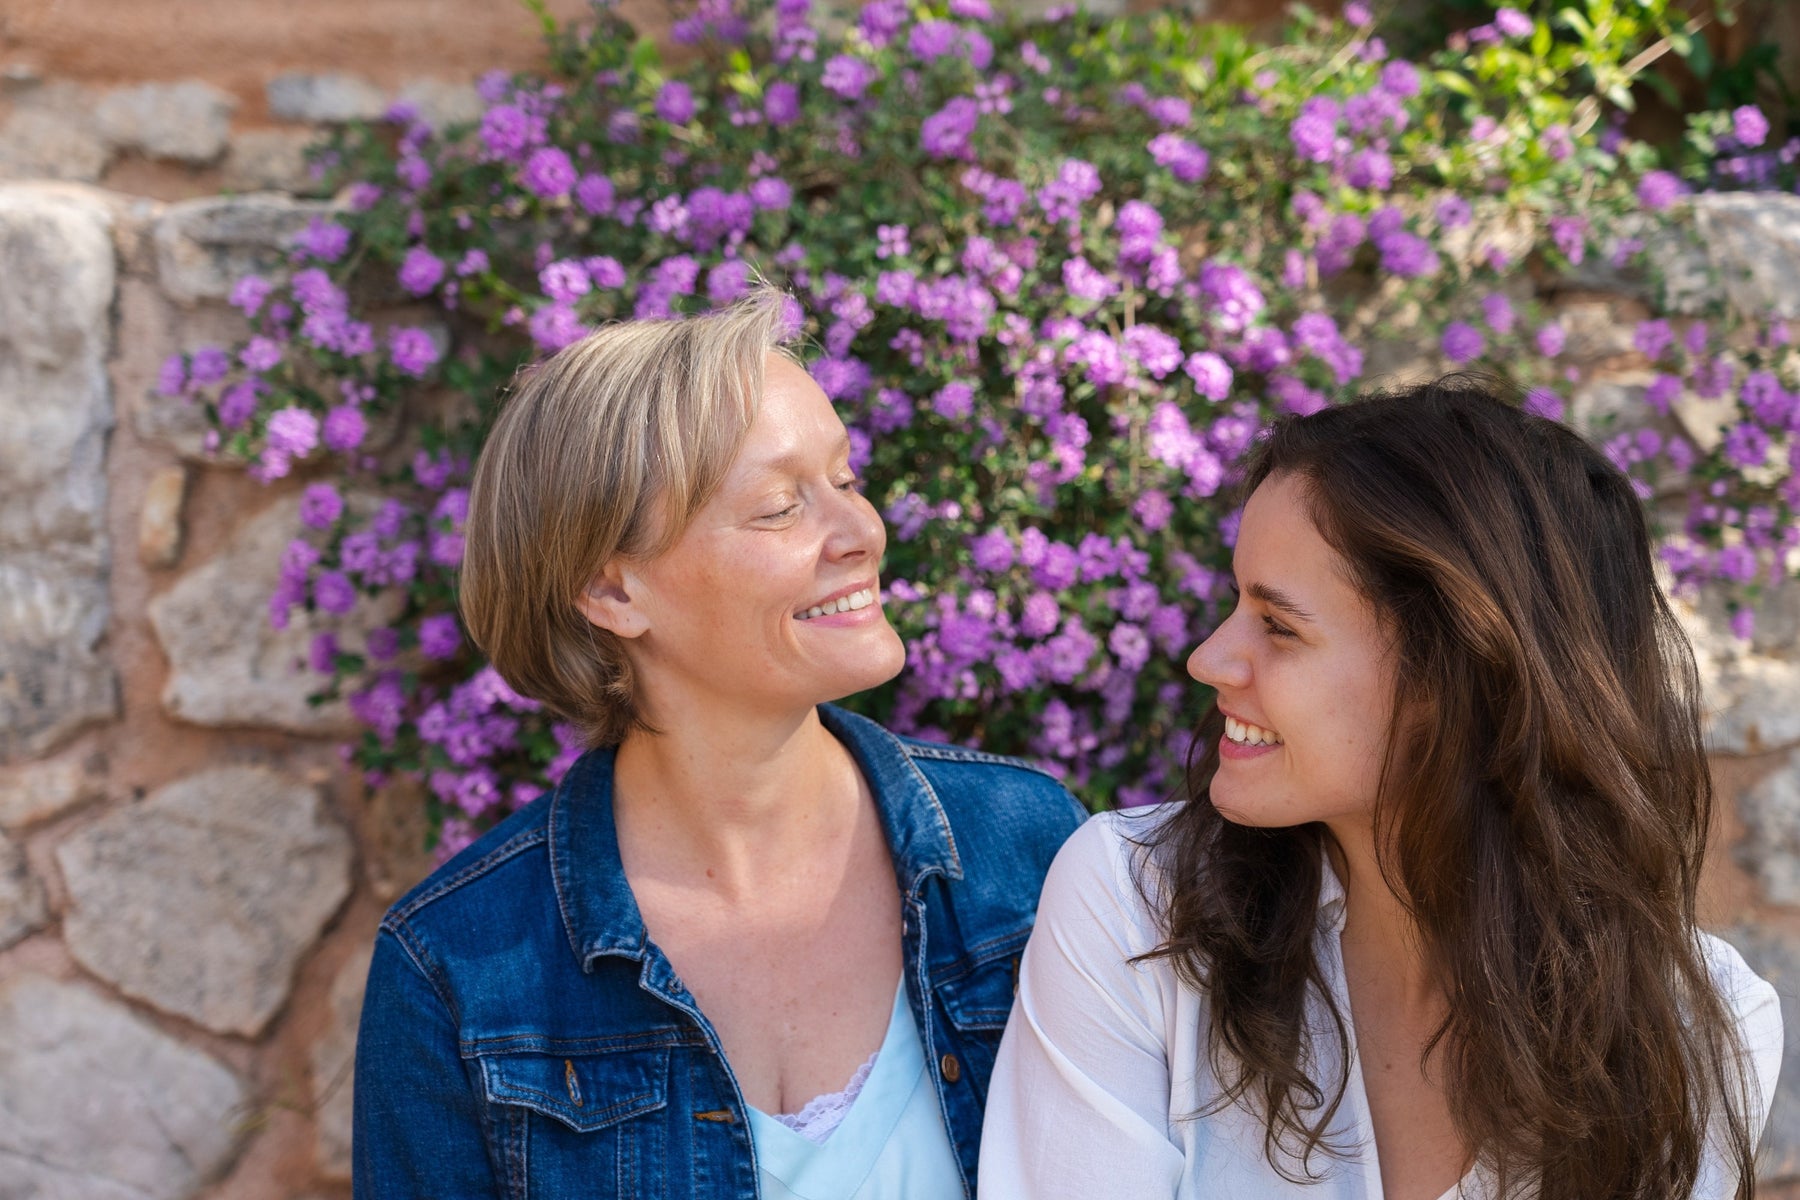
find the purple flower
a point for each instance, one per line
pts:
(439, 636)
(238, 402)
(260, 355)
(1408, 255)
(293, 432)
(1453, 212)
(1498, 311)
(605, 271)
(344, 429)
(555, 326)
(248, 294)
(954, 402)
(322, 656)
(565, 279)
(1749, 126)
(1314, 131)
(992, 552)
(1085, 283)
(1512, 23)
(548, 173)
(847, 77)
(1370, 168)
(323, 240)
(770, 193)
(1040, 616)
(781, 104)
(1541, 402)
(413, 351)
(1211, 376)
(931, 40)
(507, 132)
(1658, 190)
(1400, 78)
(1652, 338)
(420, 271)
(1551, 339)
(1129, 646)
(333, 592)
(171, 380)
(1746, 445)
(595, 194)
(727, 281)
(320, 506)
(1463, 342)
(1067, 654)
(1153, 510)
(946, 133)
(1155, 351)
(1180, 157)
(675, 102)
(1236, 300)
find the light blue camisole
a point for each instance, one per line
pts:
(891, 1145)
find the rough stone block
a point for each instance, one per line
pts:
(38, 791)
(37, 143)
(205, 246)
(202, 899)
(22, 906)
(187, 121)
(56, 290)
(268, 160)
(1771, 813)
(441, 103)
(330, 99)
(227, 666)
(160, 529)
(334, 1064)
(1752, 240)
(1751, 691)
(95, 1104)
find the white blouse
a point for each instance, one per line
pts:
(1103, 1062)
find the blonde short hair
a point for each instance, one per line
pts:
(607, 449)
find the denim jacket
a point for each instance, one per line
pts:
(522, 1037)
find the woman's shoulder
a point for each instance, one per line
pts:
(1751, 998)
(1108, 874)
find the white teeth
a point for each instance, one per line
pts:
(1247, 734)
(850, 603)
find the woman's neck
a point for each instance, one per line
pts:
(1380, 935)
(734, 803)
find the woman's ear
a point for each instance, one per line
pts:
(609, 602)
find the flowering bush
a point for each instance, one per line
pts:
(1055, 275)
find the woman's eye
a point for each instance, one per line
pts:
(852, 484)
(789, 511)
(1276, 628)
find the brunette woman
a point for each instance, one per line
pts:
(1425, 926)
(751, 945)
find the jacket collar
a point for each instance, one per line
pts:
(601, 915)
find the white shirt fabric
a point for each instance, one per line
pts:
(1103, 1061)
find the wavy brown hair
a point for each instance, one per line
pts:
(1546, 832)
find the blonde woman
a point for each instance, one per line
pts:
(751, 945)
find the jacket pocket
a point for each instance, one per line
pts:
(586, 1092)
(979, 998)
(576, 1124)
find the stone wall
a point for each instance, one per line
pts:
(189, 882)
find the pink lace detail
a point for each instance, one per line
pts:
(822, 1114)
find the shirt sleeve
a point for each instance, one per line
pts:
(1080, 1097)
(1757, 1009)
(417, 1125)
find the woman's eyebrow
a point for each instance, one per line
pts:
(1277, 599)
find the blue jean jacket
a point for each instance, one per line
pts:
(522, 1037)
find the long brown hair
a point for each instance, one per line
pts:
(1546, 832)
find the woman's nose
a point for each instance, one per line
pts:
(856, 527)
(1218, 662)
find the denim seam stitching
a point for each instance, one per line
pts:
(413, 946)
(481, 866)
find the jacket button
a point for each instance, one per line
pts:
(950, 1067)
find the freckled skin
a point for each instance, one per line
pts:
(1323, 682)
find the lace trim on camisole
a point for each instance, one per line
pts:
(822, 1114)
